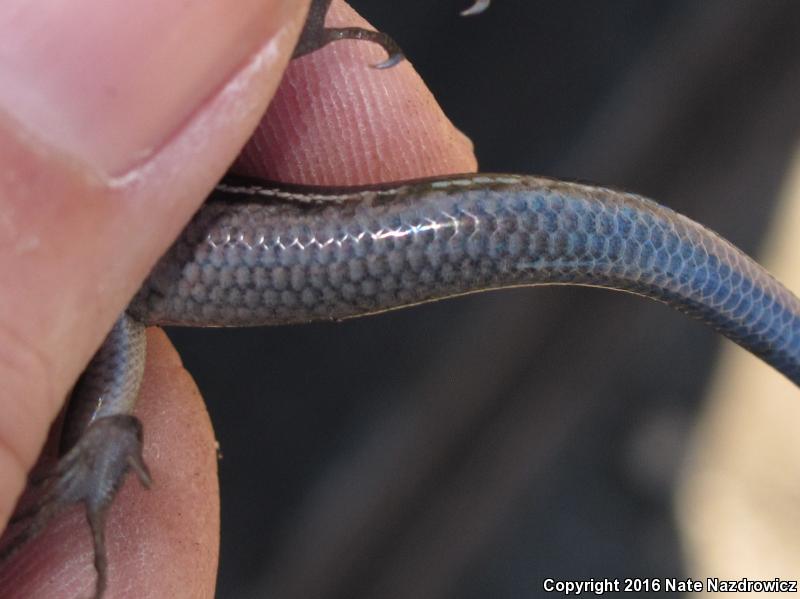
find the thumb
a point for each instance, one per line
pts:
(116, 118)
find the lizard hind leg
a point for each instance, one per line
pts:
(101, 442)
(91, 472)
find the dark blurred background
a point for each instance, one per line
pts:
(474, 447)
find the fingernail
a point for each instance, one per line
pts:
(110, 81)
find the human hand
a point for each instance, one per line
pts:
(86, 210)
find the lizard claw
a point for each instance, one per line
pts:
(395, 54)
(92, 471)
(315, 35)
(477, 8)
(334, 34)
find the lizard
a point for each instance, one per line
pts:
(263, 253)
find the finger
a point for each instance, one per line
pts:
(161, 543)
(337, 121)
(115, 122)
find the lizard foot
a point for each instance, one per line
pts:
(315, 35)
(333, 34)
(92, 471)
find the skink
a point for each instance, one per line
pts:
(259, 253)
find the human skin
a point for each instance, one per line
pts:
(93, 188)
